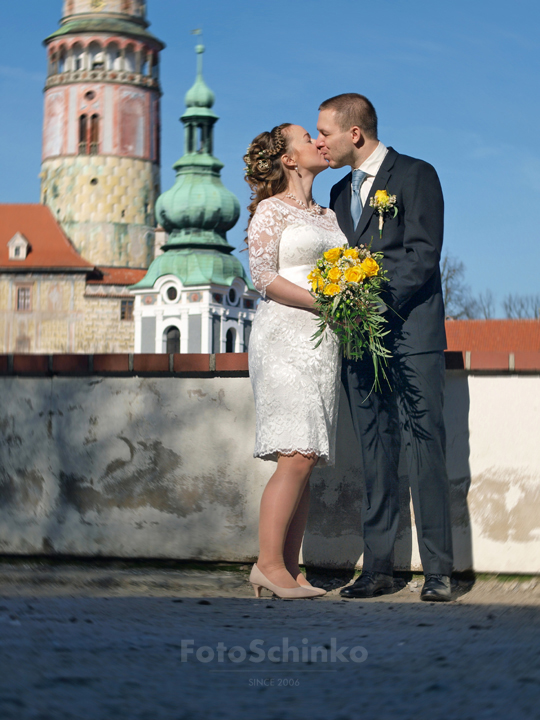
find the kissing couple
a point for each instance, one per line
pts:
(296, 385)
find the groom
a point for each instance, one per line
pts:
(412, 410)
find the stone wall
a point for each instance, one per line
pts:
(151, 456)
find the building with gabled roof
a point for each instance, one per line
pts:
(51, 299)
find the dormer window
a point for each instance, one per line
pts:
(18, 247)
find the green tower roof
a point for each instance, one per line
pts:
(198, 210)
(114, 25)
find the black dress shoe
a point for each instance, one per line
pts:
(436, 588)
(369, 584)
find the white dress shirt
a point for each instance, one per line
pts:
(371, 167)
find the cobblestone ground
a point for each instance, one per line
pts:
(88, 643)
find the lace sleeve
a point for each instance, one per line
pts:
(264, 234)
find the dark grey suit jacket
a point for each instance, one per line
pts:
(411, 243)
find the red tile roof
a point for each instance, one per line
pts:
(494, 335)
(118, 276)
(50, 248)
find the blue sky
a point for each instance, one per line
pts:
(455, 83)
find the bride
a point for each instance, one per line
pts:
(295, 385)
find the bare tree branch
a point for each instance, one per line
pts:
(458, 301)
(518, 307)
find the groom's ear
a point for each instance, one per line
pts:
(356, 134)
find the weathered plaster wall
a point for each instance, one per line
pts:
(163, 467)
(62, 318)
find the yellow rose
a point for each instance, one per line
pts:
(333, 255)
(317, 284)
(370, 267)
(354, 274)
(314, 274)
(331, 289)
(381, 196)
(334, 274)
(351, 253)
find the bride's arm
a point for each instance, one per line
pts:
(264, 235)
(287, 293)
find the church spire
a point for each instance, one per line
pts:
(199, 95)
(198, 210)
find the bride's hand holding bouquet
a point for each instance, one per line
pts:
(347, 284)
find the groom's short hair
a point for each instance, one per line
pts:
(352, 110)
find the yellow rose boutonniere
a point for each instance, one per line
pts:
(384, 204)
(333, 255)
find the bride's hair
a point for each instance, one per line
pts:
(265, 174)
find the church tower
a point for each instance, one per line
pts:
(101, 131)
(196, 297)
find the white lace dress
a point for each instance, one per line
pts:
(296, 386)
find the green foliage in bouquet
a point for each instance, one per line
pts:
(347, 285)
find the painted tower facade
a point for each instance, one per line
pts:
(196, 297)
(101, 133)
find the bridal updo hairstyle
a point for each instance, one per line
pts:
(265, 174)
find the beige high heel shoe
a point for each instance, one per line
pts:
(259, 581)
(319, 591)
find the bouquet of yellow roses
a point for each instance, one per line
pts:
(347, 284)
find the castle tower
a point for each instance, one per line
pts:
(196, 297)
(101, 131)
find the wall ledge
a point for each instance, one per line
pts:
(227, 364)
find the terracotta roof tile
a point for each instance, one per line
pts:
(494, 335)
(117, 276)
(50, 248)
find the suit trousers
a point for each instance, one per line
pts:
(408, 412)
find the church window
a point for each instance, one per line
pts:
(172, 293)
(83, 132)
(171, 337)
(24, 299)
(52, 64)
(62, 61)
(229, 340)
(126, 310)
(129, 59)
(78, 56)
(114, 57)
(90, 95)
(126, 6)
(94, 135)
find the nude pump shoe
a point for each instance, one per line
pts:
(259, 581)
(318, 590)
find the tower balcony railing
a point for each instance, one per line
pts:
(113, 76)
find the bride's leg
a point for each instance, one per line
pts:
(279, 503)
(295, 535)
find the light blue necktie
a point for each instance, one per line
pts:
(356, 203)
